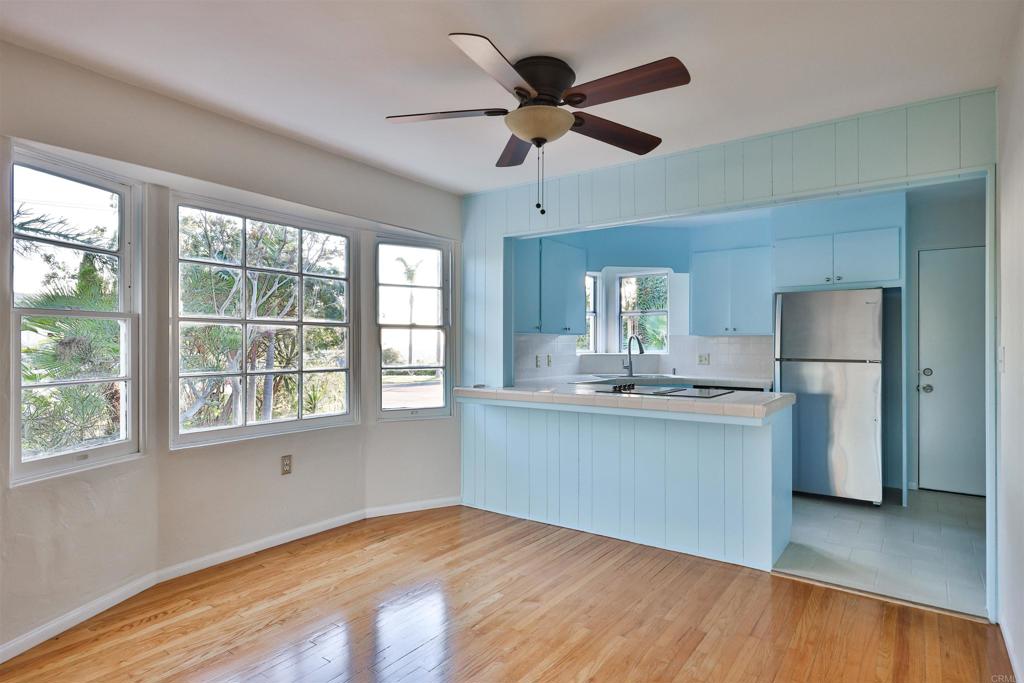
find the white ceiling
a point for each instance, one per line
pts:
(329, 72)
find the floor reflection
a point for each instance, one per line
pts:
(412, 635)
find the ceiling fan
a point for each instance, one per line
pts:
(543, 85)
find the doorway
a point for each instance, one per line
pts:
(951, 372)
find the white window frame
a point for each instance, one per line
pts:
(446, 327)
(596, 301)
(182, 440)
(618, 314)
(131, 253)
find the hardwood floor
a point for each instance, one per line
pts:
(458, 594)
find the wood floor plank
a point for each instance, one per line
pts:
(459, 594)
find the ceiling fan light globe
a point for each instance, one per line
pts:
(539, 122)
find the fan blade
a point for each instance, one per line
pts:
(514, 153)
(623, 137)
(482, 51)
(456, 114)
(659, 75)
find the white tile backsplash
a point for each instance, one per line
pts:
(534, 349)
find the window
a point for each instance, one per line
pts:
(75, 310)
(262, 325)
(586, 343)
(643, 310)
(412, 316)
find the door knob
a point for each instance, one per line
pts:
(927, 388)
(927, 372)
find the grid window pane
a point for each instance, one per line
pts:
(643, 293)
(324, 348)
(324, 393)
(209, 236)
(49, 276)
(324, 254)
(585, 342)
(271, 296)
(272, 347)
(209, 347)
(55, 208)
(409, 306)
(652, 329)
(209, 291)
(75, 417)
(412, 389)
(61, 348)
(323, 300)
(405, 265)
(209, 403)
(268, 245)
(272, 397)
(404, 346)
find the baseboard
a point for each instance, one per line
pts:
(54, 627)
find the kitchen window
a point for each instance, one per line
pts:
(643, 310)
(587, 343)
(262, 324)
(413, 314)
(75, 320)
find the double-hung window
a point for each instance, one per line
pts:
(587, 343)
(413, 321)
(75, 320)
(643, 310)
(262, 325)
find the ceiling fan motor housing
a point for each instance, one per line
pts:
(549, 76)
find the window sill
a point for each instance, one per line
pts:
(219, 438)
(36, 477)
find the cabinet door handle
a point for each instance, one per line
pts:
(838, 278)
(828, 279)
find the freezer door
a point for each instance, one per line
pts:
(840, 325)
(837, 427)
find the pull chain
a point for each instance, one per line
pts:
(540, 180)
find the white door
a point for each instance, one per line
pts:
(951, 374)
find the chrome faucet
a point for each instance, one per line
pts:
(628, 364)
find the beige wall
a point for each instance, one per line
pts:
(1009, 498)
(67, 541)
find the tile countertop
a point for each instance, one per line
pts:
(755, 404)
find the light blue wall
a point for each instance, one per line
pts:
(641, 245)
(839, 214)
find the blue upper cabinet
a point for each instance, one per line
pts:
(731, 292)
(526, 285)
(563, 269)
(844, 258)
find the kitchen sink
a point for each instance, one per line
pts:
(640, 380)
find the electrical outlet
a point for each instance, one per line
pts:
(549, 360)
(286, 464)
(536, 361)
(703, 359)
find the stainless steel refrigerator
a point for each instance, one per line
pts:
(828, 351)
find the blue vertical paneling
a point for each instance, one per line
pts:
(494, 263)
(475, 224)
(627, 191)
(733, 172)
(782, 481)
(977, 129)
(933, 137)
(682, 181)
(568, 201)
(847, 152)
(650, 482)
(682, 491)
(480, 451)
(733, 509)
(518, 462)
(883, 145)
(711, 188)
(782, 164)
(606, 493)
(650, 186)
(757, 168)
(553, 463)
(605, 182)
(519, 204)
(757, 506)
(538, 465)
(480, 303)
(495, 439)
(586, 471)
(711, 514)
(587, 199)
(569, 469)
(468, 444)
(552, 203)
(627, 478)
(814, 158)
